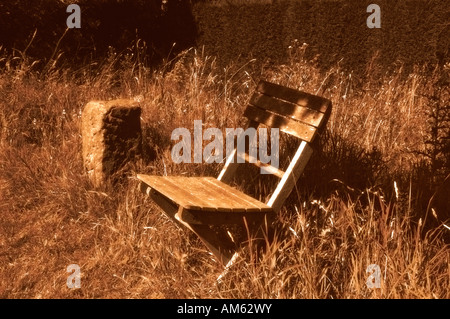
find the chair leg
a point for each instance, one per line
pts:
(218, 241)
(259, 235)
(168, 207)
(261, 232)
(227, 268)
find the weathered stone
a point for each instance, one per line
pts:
(111, 137)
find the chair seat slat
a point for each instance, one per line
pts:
(251, 204)
(205, 194)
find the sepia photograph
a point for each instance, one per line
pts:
(236, 151)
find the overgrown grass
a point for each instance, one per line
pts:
(344, 215)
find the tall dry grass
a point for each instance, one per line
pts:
(345, 214)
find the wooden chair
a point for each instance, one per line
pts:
(201, 202)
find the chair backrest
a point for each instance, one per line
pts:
(294, 112)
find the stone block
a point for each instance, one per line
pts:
(111, 137)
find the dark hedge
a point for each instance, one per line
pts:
(412, 32)
(104, 24)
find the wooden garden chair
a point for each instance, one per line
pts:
(201, 202)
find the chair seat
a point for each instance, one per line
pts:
(199, 198)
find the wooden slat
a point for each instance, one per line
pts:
(227, 198)
(199, 197)
(203, 194)
(287, 183)
(253, 205)
(160, 184)
(233, 206)
(230, 167)
(269, 168)
(188, 193)
(300, 113)
(220, 218)
(294, 96)
(303, 131)
(220, 200)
